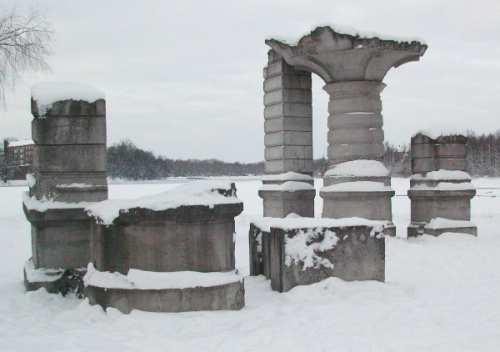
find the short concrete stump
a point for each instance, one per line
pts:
(165, 292)
(173, 252)
(301, 251)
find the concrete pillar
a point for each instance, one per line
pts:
(353, 68)
(69, 167)
(440, 189)
(288, 140)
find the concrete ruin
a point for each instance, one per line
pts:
(301, 251)
(69, 167)
(440, 189)
(172, 252)
(353, 69)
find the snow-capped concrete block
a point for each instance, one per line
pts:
(299, 251)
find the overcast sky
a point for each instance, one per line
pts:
(184, 78)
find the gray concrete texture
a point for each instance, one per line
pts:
(59, 238)
(446, 152)
(279, 204)
(222, 297)
(188, 238)
(369, 205)
(358, 255)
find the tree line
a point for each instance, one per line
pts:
(126, 160)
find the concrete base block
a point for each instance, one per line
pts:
(60, 238)
(415, 230)
(229, 296)
(359, 254)
(53, 280)
(368, 205)
(278, 204)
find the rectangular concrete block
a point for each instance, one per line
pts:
(356, 135)
(355, 121)
(451, 163)
(359, 254)
(69, 130)
(368, 205)
(288, 138)
(70, 158)
(348, 152)
(280, 67)
(279, 204)
(288, 110)
(303, 166)
(289, 152)
(288, 96)
(299, 124)
(287, 81)
(359, 104)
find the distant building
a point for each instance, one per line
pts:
(18, 159)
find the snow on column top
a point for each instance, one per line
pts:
(44, 95)
(358, 168)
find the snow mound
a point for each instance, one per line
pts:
(358, 186)
(289, 186)
(455, 175)
(288, 176)
(41, 274)
(48, 93)
(149, 280)
(193, 193)
(360, 168)
(443, 223)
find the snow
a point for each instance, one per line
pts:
(75, 185)
(31, 180)
(149, 280)
(48, 93)
(41, 274)
(361, 168)
(192, 193)
(441, 294)
(45, 204)
(446, 186)
(287, 176)
(346, 29)
(434, 133)
(21, 143)
(304, 248)
(289, 186)
(443, 223)
(357, 186)
(455, 175)
(297, 222)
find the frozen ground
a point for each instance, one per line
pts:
(441, 294)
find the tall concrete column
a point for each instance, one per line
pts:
(288, 185)
(353, 68)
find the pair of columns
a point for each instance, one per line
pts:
(356, 183)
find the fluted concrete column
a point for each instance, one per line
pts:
(354, 121)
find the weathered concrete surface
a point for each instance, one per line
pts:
(222, 297)
(59, 238)
(63, 282)
(188, 238)
(58, 130)
(369, 205)
(288, 118)
(358, 255)
(278, 204)
(73, 108)
(428, 200)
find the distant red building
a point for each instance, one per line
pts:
(18, 159)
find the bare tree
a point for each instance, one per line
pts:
(24, 45)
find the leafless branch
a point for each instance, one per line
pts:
(24, 45)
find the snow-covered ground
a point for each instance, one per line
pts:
(441, 294)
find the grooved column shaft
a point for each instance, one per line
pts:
(355, 121)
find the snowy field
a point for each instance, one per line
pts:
(441, 294)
